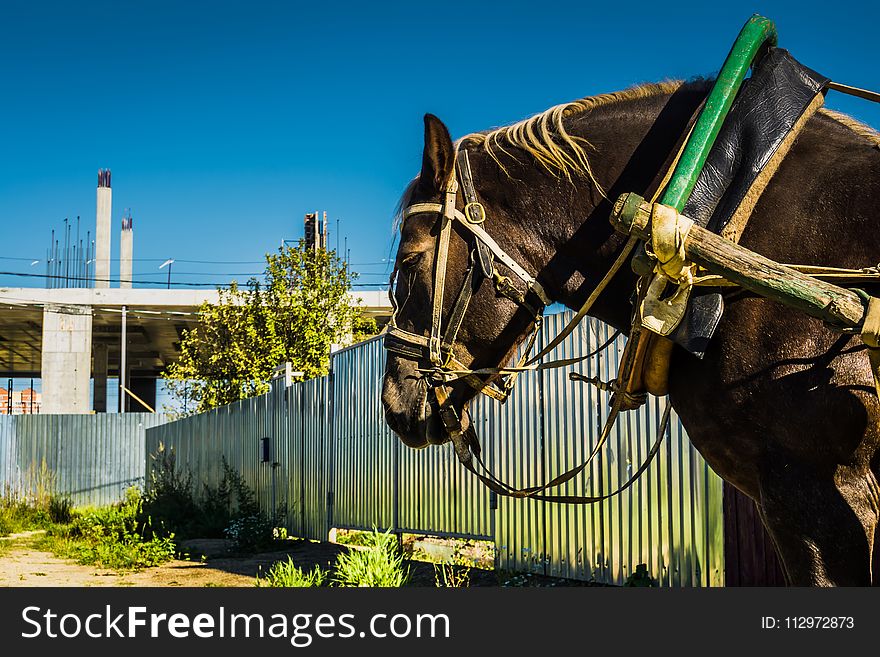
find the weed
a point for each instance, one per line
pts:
(27, 508)
(60, 509)
(287, 574)
(168, 502)
(353, 537)
(455, 574)
(112, 537)
(379, 564)
(40, 484)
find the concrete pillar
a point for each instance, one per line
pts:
(102, 230)
(126, 251)
(66, 358)
(99, 374)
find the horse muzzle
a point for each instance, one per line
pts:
(410, 405)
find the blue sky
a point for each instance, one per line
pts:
(224, 122)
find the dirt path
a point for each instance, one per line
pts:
(23, 564)
(34, 568)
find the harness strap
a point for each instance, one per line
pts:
(873, 96)
(467, 448)
(458, 310)
(871, 337)
(447, 214)
(402, 342)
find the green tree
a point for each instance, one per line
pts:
(295, 314)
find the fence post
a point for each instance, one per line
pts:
(330, 428)
(302, 459)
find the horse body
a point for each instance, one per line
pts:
(780, 406)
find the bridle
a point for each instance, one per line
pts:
(439, 347)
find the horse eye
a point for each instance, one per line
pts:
(411, 259)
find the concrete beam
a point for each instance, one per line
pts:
(66, 358)
(188, 300)
(374, 302)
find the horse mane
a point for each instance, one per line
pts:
(861, 129)
(545, 138)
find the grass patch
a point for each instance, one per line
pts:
(111, 537)
(353, 537)
(376, 560)
(33, 503)
(379, 563)
(287, 574)
(20, 514)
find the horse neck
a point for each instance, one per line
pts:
(632, 141)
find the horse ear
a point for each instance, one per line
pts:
(437, 158)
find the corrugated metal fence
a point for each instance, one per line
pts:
(92, 458)
(338, 465)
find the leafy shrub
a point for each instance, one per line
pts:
(287, 574)
(168, 505)
(379, 564)
(250, 533)
(229, 510)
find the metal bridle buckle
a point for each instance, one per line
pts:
(481, 213)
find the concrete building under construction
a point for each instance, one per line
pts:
(81, 330)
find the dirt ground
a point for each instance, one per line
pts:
(23, 564)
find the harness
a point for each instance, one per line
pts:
(668, 265)
(439, 348)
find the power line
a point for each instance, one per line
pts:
(92, 279)
(201, 262)
(201, 273)
(194, 262)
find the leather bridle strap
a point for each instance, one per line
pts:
(447, 215)
(483, 236)
(458, 309)
(439, 346)
(450, 374)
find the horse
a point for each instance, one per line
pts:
(780, 406)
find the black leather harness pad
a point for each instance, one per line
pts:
(764, 112)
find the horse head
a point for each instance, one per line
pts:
(454, 233)
(501, 223)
